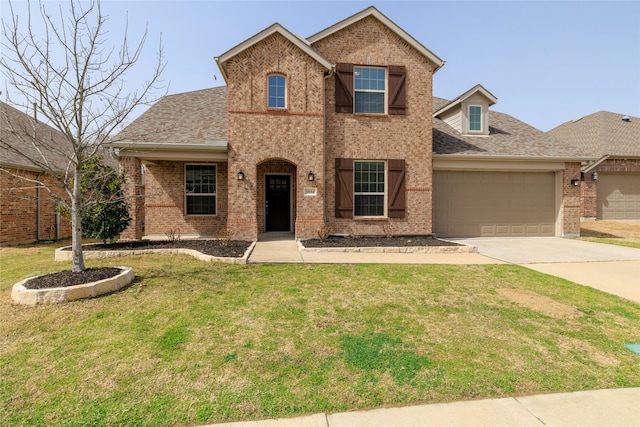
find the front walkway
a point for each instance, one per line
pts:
(275, 248)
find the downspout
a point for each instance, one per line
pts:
(38, 236)
(324, 149)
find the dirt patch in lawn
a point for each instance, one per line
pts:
(373, 242)
(625, 230)
(541, 304)
(218, 248)
(67, 278)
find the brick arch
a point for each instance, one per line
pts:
(274, 165)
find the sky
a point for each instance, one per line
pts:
(547, 62)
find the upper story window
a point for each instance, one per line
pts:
(475, 118)
(277, 91)
(373, 90)
(200, 188)
(369, 90)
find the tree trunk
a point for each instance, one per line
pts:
(76, 224)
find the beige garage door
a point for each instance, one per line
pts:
(479, 204)
(619, 196)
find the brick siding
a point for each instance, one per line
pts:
(19, 208)
(382, 137)
(263, 141)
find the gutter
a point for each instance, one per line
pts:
(511, 158)
(591, 166)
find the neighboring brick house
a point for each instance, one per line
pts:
(28, 196)
(339, 130)
(611, 185)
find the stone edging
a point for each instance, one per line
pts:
(62, 255)
(397, 249)
(25, 296)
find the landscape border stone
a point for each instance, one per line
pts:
(462, 249)
(62, 254)
(22, 295)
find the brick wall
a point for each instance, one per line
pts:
(589, 188)
(571, 208)
(164, 201)
(135, 197)
(374, 137)
(263, 140)
(19, 207)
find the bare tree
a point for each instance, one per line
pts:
(72, 76)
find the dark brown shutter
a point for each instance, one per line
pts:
(397, 189)
(397, 89)
(344, 88)
(344, 188)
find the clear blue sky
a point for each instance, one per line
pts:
(547, 62)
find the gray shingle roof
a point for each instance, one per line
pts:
(602, 133)
(198, 117)
(507, 137)
(17, 145)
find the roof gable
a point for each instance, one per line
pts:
(273, 29)
(477, 89)
(372, 11)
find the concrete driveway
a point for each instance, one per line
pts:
(610, 268)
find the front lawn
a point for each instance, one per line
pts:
(195, 343)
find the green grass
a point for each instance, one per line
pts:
(194, 343)
(610, 241)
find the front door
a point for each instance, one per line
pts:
(278, 203)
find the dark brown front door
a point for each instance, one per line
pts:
(278, 203)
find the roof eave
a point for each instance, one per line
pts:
(511, 158)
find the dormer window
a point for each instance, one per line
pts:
(475, 118)
(276, 91)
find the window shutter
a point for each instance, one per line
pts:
(344, 188)
(397, 189)
(397, 89)
(344, 88)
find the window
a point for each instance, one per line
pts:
(372, 184)
(475, 118)
(276, 91)
(200, 187)
(369, 188)
(369, 90)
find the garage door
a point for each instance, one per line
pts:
(479, 204)
(619, 196)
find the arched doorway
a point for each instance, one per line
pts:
(276, 199)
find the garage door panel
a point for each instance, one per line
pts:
(618, 196)
(482, 204)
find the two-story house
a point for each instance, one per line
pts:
(341, 130)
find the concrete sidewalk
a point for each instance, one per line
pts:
(613, 408)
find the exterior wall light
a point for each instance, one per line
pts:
(311, 177)
(240, 176)
(595, 176)
(575, 182)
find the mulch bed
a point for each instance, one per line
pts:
(382, 241)
(66, 278)
(234, 248)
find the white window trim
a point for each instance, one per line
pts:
(481, 130)
(386, 90)
(286, 92)
(186, 195)
(384, 195)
